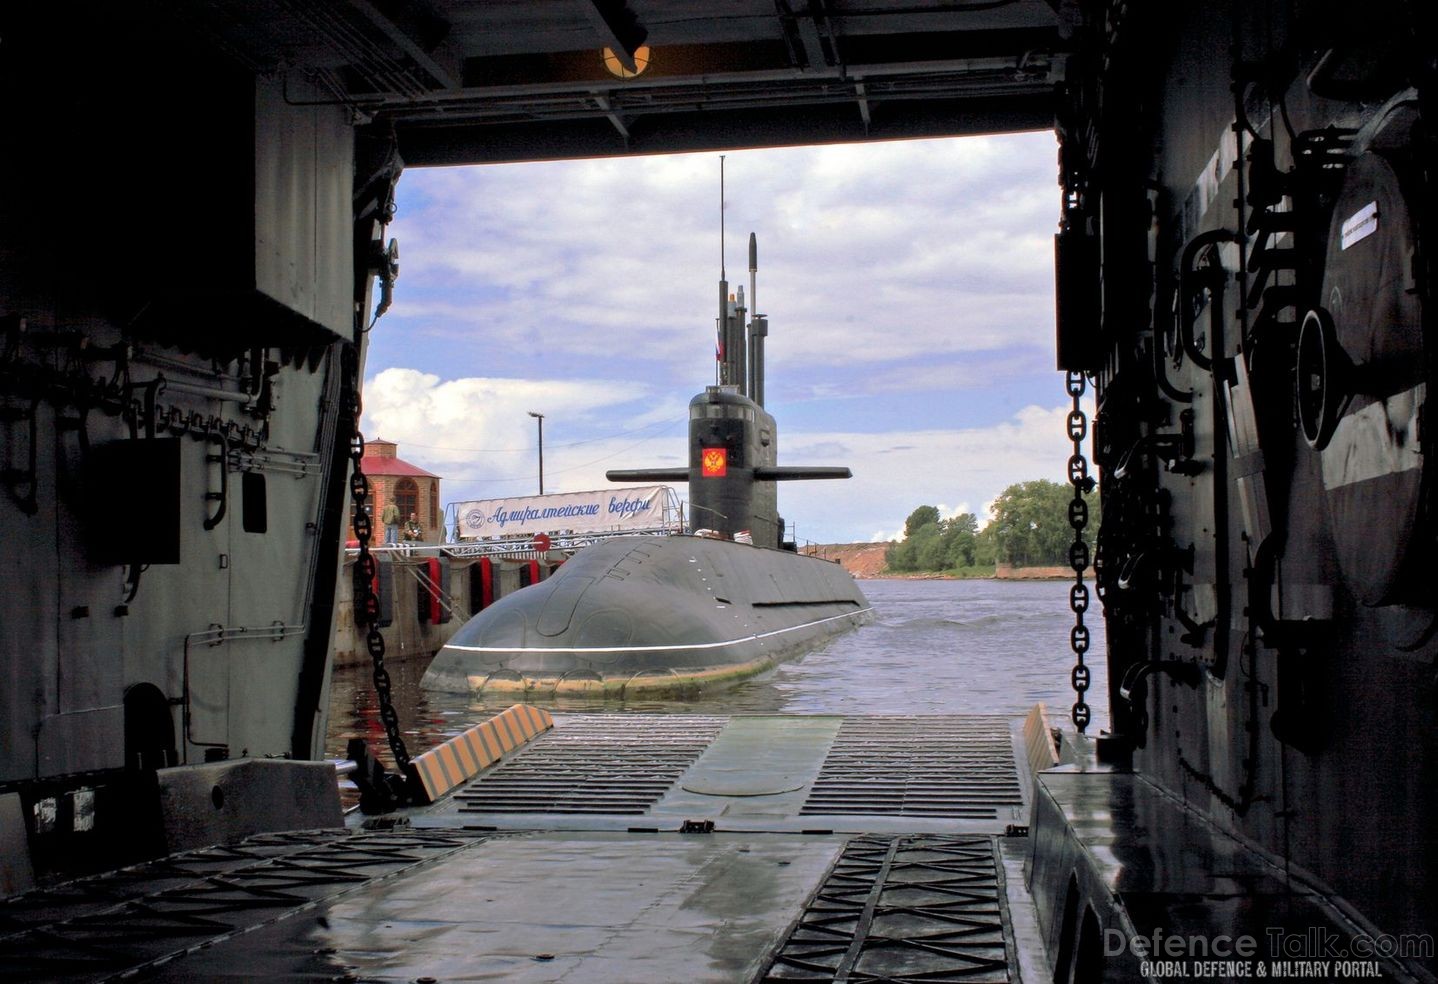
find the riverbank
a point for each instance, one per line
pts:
(1056, 573)
(866, 561)
(861, 560)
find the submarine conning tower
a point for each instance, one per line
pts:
(733, 440)
(730, 436)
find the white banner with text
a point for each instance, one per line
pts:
(646, 507)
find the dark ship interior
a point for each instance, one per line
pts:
(1244, 283)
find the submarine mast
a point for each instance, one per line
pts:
(758, 329)
(732, 340)
(733, 440)
(722, 349)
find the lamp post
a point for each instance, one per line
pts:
(540, 418)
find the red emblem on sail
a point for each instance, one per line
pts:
(714, 462)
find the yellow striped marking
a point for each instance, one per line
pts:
(467, 761)
(1039, 740)
(507, 735)
(504, 725)
(451, 761)
(488, 750)
(491, 738)
(464, 756)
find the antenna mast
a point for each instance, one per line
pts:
(722, 275)
(721, 327)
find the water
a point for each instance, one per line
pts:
(936, 647)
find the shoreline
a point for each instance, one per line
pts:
(865, 561)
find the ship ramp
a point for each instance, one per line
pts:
(613, 847)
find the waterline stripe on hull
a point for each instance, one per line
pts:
(647, 683)
(653, 649)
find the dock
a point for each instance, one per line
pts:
(616, 847)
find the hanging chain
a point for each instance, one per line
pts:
(365, 569)
(1078, 551)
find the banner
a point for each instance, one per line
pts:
(646, 507)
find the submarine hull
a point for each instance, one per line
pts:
(651, 614)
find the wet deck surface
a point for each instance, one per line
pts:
(636, 848)
(841, 848)
(952, 773)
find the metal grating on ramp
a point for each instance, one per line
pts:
(130, 922)
(902, 909)
(595, 763)
(920, 765)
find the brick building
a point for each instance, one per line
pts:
(392, 479)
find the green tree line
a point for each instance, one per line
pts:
(1030, 528)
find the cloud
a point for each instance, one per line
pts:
(863, 251)
(477, 435)
(811, 453)
(956, 373)
(896, 472)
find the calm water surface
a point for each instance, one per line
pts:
(936, 647)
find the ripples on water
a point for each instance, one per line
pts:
(935, 647)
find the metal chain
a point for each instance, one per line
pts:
(365, 569)
(1078, 551)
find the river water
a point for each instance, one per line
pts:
(935, 647)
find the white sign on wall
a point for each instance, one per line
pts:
(605, 510)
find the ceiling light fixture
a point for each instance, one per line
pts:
(616, 67)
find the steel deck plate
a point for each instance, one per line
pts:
(141, 918)
(920, 765)
(573, 888)
(925, 908)
(596, 763)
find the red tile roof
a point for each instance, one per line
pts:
(377, 465)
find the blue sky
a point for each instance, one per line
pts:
(909, 290)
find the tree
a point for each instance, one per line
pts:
(1030, 528)
(929, 547)
(922, 516)
(1031, 525)
(921, 546)
(899, 556)
(933, 544)
(986, 545)
(960, 538)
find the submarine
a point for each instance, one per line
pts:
(683, 613)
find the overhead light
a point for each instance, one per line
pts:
(616, 67)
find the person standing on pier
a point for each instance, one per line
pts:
(389, 516)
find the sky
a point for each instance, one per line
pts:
(908, 286)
